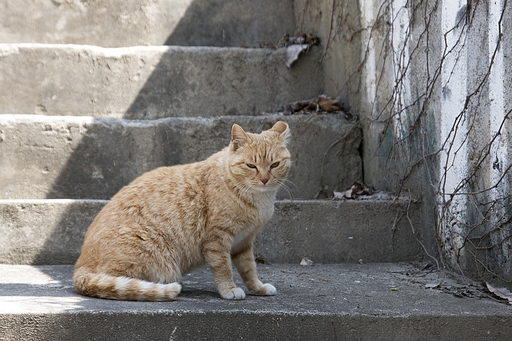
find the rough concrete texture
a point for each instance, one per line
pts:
(114, 23)
(44, 231)
(52, 231)
(152, 82)
(342, 232)
(341, 34)
(320, 302)
(93, 158)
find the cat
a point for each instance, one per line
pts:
(173, 219)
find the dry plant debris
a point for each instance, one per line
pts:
(298, 39)
(500, 292)
(446, 281)
(358, 189)
(319, 105)
(294, 45)
(306, 261)
(455, 284)
(293, 52)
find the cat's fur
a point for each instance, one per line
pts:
(174, 219)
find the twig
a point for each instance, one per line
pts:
(330, 31)
(414, 233)
(327, 151)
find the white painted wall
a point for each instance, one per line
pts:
(461, 129)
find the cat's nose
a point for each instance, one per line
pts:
(264, 180)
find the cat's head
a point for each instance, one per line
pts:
(259, 162)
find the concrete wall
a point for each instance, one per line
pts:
(356, 42)
(430, 81)
(121, 23)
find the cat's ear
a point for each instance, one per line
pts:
(283, 130)
(238, 137)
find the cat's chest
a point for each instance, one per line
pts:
(265, 211)
(263, 214)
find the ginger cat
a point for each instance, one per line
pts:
(174, 219)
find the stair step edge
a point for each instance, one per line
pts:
(335, 301)
(52, 232)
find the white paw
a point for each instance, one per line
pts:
(235, 294)
(269, 289)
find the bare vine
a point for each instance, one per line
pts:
(415, 73)
(481, 221)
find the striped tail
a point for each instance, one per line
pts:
(123, 288)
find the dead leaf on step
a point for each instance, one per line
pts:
(358, 189)
(293, 52)
(306, 262)
(298, 39)
(500, 292)
(294, 45)
(330, 104)
(432, 285)
(339, 195)
(319, 105)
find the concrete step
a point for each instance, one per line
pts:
(320, 302)
(152, 82)
(325, 231)
(92, 158)
(112, 23)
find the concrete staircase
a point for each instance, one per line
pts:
(91, 98)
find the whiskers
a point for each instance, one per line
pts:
(242, 189)
(283, 183)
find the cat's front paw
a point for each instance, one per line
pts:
(235, 294)
(266, 289)
(269, 289)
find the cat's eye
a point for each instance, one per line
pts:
(274, 165)
(250, 165)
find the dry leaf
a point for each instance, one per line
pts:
(358, 189)
(300, 39)
(293, 52)
(432, 285)
(320, 105)
(330, 104)
(339, 195)
(306, 262)
(500, 292)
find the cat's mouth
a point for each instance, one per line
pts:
(265, 187)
